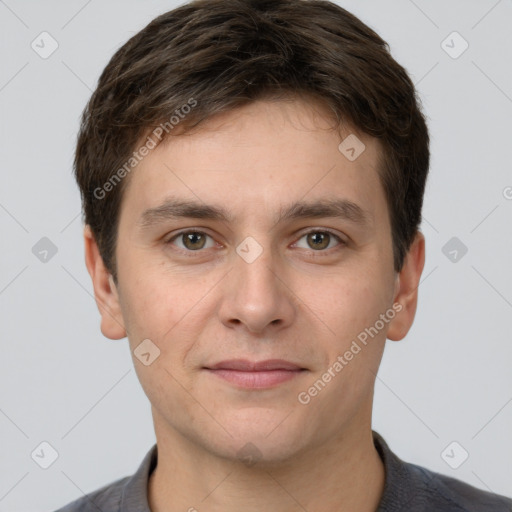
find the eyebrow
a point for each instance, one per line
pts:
(173, 208)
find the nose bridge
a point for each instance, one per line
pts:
(256, 295)
(257, 273)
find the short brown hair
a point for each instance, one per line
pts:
(224, 54)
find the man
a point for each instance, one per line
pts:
(252, 177)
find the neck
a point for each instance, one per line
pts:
(342, 475)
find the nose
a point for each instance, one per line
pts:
(257, 296)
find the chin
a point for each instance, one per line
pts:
(260, 440)
(260, 452)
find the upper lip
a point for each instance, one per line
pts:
(245, 365)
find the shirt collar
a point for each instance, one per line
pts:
(399, 484)
(135, 491)
(398, 487)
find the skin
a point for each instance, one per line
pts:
(294, 302)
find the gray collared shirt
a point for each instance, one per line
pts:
(407, 488)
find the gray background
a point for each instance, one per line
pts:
(62, 382)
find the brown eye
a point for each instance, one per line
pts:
(191, 241)
(319, 240)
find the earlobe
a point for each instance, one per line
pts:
(406, 289)
(105, 291)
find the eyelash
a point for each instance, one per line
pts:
(320, 253)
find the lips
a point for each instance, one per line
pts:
(244, 365)
(255, 374)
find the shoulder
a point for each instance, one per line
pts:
(453, 495)
(127, 493)
(413, 488)
(107, 497)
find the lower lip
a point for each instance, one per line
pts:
(256, 380)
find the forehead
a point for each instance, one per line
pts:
(259, 157)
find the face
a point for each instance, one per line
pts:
(255, 238)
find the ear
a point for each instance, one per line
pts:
(406, 289)
(105, 291)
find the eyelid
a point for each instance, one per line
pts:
(341, 241)
(201, 231)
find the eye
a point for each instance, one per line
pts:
(319, 240)
(191, 240)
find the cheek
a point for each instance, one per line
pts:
(351, 308)
(155, 302)
(171, 311)
(162, 319)
(347, 304)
